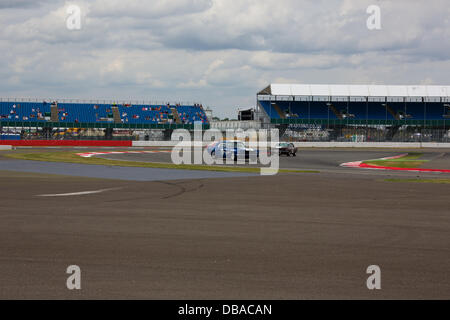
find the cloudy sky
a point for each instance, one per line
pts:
(216, 52)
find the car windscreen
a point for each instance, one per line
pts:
(235, 145)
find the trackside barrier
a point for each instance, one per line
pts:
(155, 143)
(321, 144)
(5, 147)
(128, 143)
(371, 145)
(68, 143)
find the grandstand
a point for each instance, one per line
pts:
(26, 119)
(16, 114)
(93, 113)
(393, 112)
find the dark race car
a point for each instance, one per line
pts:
(286, 148)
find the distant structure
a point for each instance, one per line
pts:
(208, 113)
(60, 119)
(246, 115)
(371, 112)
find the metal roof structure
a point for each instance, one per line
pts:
(356, 90)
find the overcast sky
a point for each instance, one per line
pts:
(216, 52)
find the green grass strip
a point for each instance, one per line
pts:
(71, 157)
(411, 160)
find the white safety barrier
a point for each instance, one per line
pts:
(322, 144)
(2, 147)
(154, 143)
(371, 145)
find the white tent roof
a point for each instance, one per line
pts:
(356, 90)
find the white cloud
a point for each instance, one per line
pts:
(214, 51)
(147, 9)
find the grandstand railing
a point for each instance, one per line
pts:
(81, 125)
(102, 101)
(428, 123)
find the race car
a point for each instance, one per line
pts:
(232, 149)
(286, 148)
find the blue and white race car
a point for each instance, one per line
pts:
(232, 149)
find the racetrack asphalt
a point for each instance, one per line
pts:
(324, 160)
(113, 172)
(327, 161)
(289, 236)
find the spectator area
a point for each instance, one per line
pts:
(24, 111)
(73, 112)
(375, 103)
(357, 110)
(145, 113)
(190, 114)
(94, 113)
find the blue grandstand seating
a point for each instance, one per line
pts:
(10, 137)
(76, 112)
(92, 113)
(297, 109)
(415, 110)
(144, 113)
(189, 114)
(23, 111)
(270, 110)
(161, 113)
(302, 109)
(341, 107)
(359, 110)
(377, 111)
(320, 110)
(400, 108)
(435, 111)
(354, 110)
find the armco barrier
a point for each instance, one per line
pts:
(127, 143)
(360, 145)
(371, 145)
(67, 143)
(320, 144)
(5, 147)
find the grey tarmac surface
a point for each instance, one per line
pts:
(305, 159)
(112, 172)
(326, 160)
(290, 236)
(440, 160)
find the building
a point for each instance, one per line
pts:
(378, 112)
